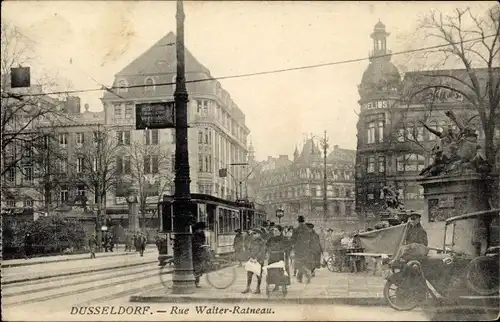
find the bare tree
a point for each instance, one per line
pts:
(149, 166)
(96, 165)
(474, 44)
(28, 119)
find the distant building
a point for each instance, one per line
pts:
(392, 146)
(297, 186)
(217, 135)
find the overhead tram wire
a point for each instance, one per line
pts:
(341, 62)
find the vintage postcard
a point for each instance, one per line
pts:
(250, 160)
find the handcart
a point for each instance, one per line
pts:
(278, 275)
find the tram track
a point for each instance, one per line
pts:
(48, 288)
(41, 279)
(101, 286)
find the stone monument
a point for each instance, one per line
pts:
(458, 182)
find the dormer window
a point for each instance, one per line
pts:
(122, 86)
(149, 85)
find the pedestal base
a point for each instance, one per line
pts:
(183, 282)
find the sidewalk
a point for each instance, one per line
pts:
(117, 251)
(325, 287)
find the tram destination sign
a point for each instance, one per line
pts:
(158, 115)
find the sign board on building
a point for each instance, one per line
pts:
(158, 115)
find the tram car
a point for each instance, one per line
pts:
(222, 218)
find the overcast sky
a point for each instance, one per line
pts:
(230, 38)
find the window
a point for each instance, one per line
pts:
(381, 164)
(11, 175)
(370, 168)
(420, 134)
(80, 138)
(63, 195)
(371, 133)
(401, 135)
(400, 163)
(151, 137)
(117, 110)
(63, 166)
(123, 137)
(229, 220)
(347, 193)
(28, 203)
(380, 131)
(122, 86)
(28, 174)
(11, 203)
(200, 136)
(63, 139)
(80, 190)
(79, 165)
(202, 107)
(149, 85)
(151, 164)
(207, 136)
(129, 110)
(123, 165)
(200, 163)
(410, 132)
(172, 160)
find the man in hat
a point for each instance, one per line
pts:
(416, 234)
(301, 243)
(316, 249)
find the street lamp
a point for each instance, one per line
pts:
(324, 146)
(280, 212)
(182, 278)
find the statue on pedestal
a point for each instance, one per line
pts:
(456, 151)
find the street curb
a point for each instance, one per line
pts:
(77, 273)
(62, 260)
(362, 301)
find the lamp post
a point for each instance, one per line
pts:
(183, 278)
(280, 212)
(324, 146)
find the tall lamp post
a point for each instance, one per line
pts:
(280, 212)
(324, 146)
(183, 278)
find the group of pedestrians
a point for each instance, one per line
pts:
(299, 248)
(138, 239)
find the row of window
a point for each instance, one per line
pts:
(63, 197)
(374, 191)
(411, 132)
(298, 192)
(229, 220)
(205, 163)
(404, 163)
(151, 137)
(304, 174)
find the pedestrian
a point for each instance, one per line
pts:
(198, 251)
(257, 252)
(136, 241)
(316, 250)
(239, 247)
(92, 245)
(301, 243)
(278, 247)
(142, 240)
(28, 245)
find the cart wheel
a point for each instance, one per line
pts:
(221, 275)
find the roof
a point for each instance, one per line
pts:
(163, 51)
(381, 70)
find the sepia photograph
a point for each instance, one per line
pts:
(191, 160)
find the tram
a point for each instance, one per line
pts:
(222, 217)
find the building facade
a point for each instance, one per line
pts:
(296, 186)
(43, 178)
(392, 144)
(217, 134)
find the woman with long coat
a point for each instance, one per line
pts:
(316, 249)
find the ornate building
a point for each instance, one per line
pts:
(217, 135)
(297, 186)
(392, 144)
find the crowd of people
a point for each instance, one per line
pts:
(137, 240)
